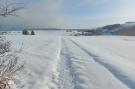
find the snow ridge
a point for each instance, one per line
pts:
(119, 75)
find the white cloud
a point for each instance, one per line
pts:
(94, 1)
(45, 13)
(42, 14)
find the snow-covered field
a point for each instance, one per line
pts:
(66, 62)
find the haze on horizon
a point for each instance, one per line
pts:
(71, 13)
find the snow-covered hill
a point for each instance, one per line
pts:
(127, 29)
(64, 62)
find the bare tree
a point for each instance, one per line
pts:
(9, 9)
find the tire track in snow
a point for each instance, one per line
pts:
(53, 76)
(61, 77)
(118, 75)
(72, 71)
(65, 78)
(70, 75)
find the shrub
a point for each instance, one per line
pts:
(9, 65)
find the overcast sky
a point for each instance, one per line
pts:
(72, 13)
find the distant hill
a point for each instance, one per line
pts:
(111, 27)
(127, 29)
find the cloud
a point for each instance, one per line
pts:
(41, 14)
(45, 13)
(94, 1)
(42, 7)
(52, 13)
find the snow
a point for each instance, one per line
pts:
(69, 62)
(41, 55)
(51, 32)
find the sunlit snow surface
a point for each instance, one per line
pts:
(67, 62)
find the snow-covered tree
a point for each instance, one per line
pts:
(32, 32)
(25, 32)
(9, 65)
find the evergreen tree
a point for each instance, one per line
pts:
(32, 32)
(25, 32)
